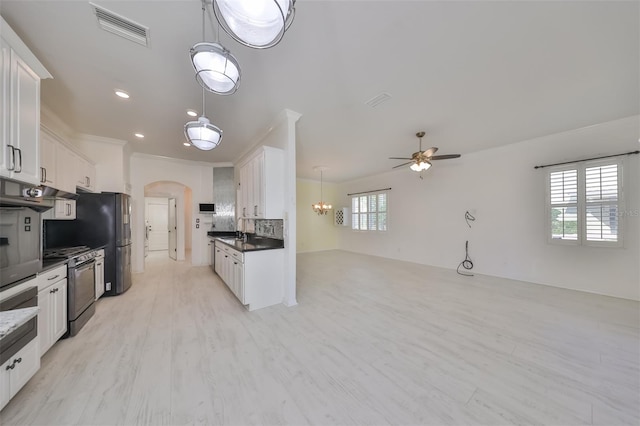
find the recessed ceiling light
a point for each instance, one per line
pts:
(122, 94)
(192, 113)
(186, 144)
(139, 135)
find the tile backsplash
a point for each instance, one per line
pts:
(271, 228)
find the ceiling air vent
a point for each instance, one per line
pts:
(119, 25)
(377, 100)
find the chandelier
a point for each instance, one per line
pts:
(320, 207)
(255, 23)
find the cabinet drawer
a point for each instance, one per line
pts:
(237, 255)
(51, 277)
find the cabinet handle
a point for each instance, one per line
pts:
(45, 174)
(53, 278)
(255, 210)
(19, 360)
(11, 367)
(12, 153)
(20, 162)
(53, 290)
(235, 263)
(42, 179)
(244, 211)
(68, 209)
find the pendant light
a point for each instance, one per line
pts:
(320, 207)
(217, 70)
(259, 24)
(201, 133)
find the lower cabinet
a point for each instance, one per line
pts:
(17, 371)
(256, 278)
(99, 274)
(52, 301)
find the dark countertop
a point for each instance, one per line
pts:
(254, 244)
(221, 234)
(51, 264)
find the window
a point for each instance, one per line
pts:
(583, 203)
(369, 212)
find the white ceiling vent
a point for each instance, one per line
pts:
(119, 25)
(377, 100)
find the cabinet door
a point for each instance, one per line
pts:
(27, 363)
(6, 154)
(238, 280)
(258, 185)
(5, 389)
(25, 129)
(65, 169)
(44, 319)
(244, 191)
(59, 310)
(48, 151)
(99, 278)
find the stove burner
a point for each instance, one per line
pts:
(64, 252)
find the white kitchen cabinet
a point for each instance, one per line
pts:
(254, 277)
(20, 118)
(65, 169)
(17, 371)
(99, 274)
(64, 209)
(52, 301)
(86, 174)
(48, 160)
(262, 184)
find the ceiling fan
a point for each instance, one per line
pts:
(421, 160)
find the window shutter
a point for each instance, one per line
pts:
(602, 195)
(563, 190)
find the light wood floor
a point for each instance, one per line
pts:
(372, 341)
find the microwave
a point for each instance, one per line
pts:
(206, 208)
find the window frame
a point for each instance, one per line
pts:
(582, 203)
(386, 212)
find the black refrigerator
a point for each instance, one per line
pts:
(102, 220)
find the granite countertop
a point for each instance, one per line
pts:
(10, 320)
(254, 244)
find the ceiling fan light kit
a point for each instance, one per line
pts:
(421, 160)
(258, 24)
(217, 70)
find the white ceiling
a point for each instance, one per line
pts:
(473, 75)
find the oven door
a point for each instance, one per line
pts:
(82, 290)
(19, 244)
(19, 337)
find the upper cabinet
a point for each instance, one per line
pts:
(48, 160)
(86, 174)
(20, 113)
(261, 185)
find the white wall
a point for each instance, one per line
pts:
(197, 176)
(315, 233)
(507, 197)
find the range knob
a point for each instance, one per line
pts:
(32, 192)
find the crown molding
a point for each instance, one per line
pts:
(178, 160)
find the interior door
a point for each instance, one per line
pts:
(158, 219)
(173, 229)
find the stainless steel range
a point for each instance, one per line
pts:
(81, 283)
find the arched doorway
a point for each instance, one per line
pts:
(169, 204)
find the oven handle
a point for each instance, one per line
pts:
(85, 265)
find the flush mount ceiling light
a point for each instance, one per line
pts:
(122, 94)
(320, 207)
(217, 70)
(139, 135)
(255, 23)
(201, 133)
(186, 144)
(192, 113)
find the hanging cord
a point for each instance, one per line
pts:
(469, 218)
(466, 263)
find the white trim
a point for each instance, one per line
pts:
(180, 160)
(22, 50)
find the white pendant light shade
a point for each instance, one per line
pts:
(217, 70)
(203, 134)
(255, 23)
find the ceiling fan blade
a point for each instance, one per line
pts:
(445, 157)
(429, 152)
(403, 164)
(400, 158)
